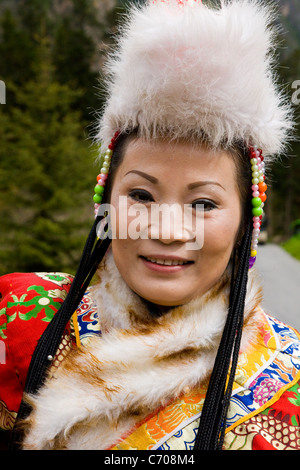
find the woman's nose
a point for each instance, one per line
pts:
(169, 225)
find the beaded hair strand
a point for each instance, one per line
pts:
(259, 197)
(103, 175)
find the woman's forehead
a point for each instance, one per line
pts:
(172, 157)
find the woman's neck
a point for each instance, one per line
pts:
(156, 310)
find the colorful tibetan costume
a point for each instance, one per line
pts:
(128, 381)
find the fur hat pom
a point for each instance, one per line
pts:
(186, 70)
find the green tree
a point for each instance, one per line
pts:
(48, 60)
(17, 53)
(34, 18)
(72, 56)
(46, 177)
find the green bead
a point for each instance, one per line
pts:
(99, 189)
(97, 198)
(257, 211)
(256, 202)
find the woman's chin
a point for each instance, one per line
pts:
(167, 301)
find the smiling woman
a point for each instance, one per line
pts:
(199, 176)
(169, 348)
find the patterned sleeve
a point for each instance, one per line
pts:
(28, 302)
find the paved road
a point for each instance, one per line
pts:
(280, 274)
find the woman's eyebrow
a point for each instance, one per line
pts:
(150, 178)
(197, 184)
(190, 186)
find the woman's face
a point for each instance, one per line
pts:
(170, 270)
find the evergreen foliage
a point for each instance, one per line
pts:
(47, 171)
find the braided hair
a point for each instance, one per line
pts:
(210, 435)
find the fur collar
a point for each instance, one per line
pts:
(103, 389)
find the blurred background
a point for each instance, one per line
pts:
(51, 57)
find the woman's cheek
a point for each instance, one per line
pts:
(220, 232)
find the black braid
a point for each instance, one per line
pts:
(212, 425)
(49, 342)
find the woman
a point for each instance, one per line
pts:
(186, 358)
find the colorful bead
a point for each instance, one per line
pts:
(263, 197)
(257, 211)
(262, 187)
(256, 202)
(97, 199)
(102, 178)
(99, 189)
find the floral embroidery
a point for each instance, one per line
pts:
(266, 390)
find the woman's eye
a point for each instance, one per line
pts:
(140, 195)
(204, 204)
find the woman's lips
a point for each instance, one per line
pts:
(165, 264)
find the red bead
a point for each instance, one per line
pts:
(262, 187)
(263, 197)
(113, 140)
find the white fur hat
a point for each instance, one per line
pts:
(184, 69)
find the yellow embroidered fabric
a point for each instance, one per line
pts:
(268, 367)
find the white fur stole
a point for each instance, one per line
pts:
(139, 364)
